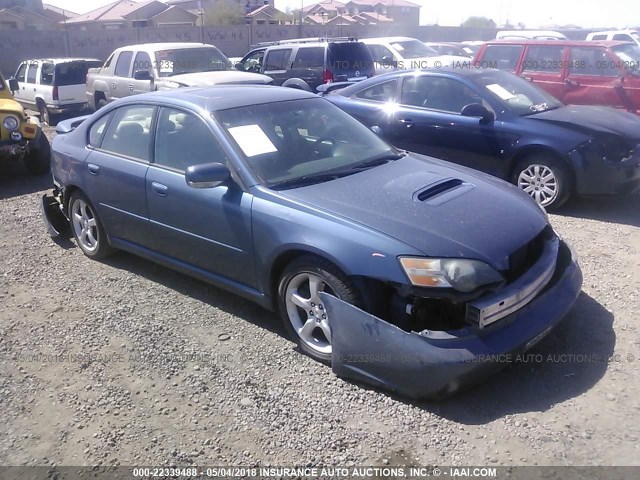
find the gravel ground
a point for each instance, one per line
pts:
(160, 369)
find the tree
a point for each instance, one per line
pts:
(224, 12)
(285, 18)
(478, 22)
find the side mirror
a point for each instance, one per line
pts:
(376, 129)
(207, 175)
(13, 85)
(478, 110)
(240, 66)
(142, 75)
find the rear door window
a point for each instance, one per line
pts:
(382, 92)
(128, 132)
(122, 65)
(46, 74)
(502, 57)
(543, 58)
(623, 37)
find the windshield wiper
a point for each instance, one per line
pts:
(379, 160)
(310, 179)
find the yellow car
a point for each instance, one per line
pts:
(21, 137)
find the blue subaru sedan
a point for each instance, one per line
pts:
(400, 270)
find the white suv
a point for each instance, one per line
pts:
(406, 53)
(54, 85)
(619, 35)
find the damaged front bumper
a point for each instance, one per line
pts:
(53, 216)
(435, 364)
(9, 148)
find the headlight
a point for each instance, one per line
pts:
(461, 274)
(11, 123)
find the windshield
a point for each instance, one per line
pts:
(629, 54)
(191, 60)
(413, 49)
(302, 141)
(520, 96)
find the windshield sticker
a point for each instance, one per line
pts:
(252, 140)
(397, 46)
(502, 92)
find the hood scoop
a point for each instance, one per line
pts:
(442, 191)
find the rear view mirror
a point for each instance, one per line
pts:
(478, 110)
(142, 75)
(13, 85)
(207, 175)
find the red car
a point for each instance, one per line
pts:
(575, 72)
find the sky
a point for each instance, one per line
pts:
(533, 13)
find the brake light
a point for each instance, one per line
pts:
(55, 93)
(327, 76)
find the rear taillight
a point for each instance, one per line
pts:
(55, 93)
(327, 76)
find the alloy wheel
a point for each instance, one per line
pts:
(540, 182)
(85, 226)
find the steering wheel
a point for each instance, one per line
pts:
(319, 147)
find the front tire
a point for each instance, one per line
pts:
(38, 160)
(45, 115)
(87, 228)
(545, 179)
(303, 314)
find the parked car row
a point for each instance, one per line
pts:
(337, 210)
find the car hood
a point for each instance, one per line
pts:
(204, 79)
(9, 105)
(434, 207)
(584, 118)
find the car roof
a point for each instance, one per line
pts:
(387, 39)
(164, 46)
(564, 43)
(61, 60)
(223, 97)
(607, 32)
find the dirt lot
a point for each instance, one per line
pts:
(160, 369)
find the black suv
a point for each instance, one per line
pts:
(307, 63)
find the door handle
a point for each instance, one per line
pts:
(113, 85)
(131, 86)
(571, 83)
(93, 168)
(407, 122)
(160, 189)
(528, 79)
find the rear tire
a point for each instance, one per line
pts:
(45, 115)
(546, 179)
(302, 312)
(87, 228)
(38, 160)
(101, 103)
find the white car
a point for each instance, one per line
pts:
(619, 35)
(53, 85)
(530, 35)
(406, 53)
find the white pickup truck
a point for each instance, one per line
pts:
(53, 85)
(162, 66)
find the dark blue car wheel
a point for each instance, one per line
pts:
(545, 179)
(303, 314)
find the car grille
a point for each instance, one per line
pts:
(523, 258)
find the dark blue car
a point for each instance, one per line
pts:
(401, 270)
(498, 123)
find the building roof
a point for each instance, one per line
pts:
(117, 11)
(57, 13)
(267, 10)
(388, 3)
